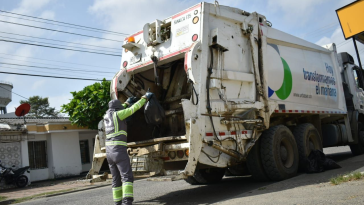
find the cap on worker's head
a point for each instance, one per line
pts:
(115, 104)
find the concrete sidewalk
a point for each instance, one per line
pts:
(55, 186)
(309, 189)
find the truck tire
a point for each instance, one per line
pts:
(358, 149)
(209, 176)
(191, 180)
(279, 153)
(307, 139)
(237, 170)
(254, 163)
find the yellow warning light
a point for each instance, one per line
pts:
(131, 39)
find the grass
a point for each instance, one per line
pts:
(345, 178)
(2, 198)
(19, 200)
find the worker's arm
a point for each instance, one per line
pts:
(122, 114)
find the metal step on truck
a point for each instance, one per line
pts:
(238, 95)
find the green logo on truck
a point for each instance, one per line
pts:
(285, 90)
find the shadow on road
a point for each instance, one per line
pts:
(207, 194)
(236, 187)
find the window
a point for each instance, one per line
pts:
(85, 154)
(37, 151)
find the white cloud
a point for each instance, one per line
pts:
(29, 6)
(48, 15)
(58, 101)
(38, 84)
(337, 37)
(295, 11)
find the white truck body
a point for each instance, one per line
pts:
(261, 77)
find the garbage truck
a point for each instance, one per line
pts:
(238, 95)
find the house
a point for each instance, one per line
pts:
(52, 147)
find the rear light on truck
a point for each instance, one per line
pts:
(187, 152)
(172, 155)
(194, 37)
(195, 19)
(180, 154)
(125, 63)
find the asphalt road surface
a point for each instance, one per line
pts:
(177, 192)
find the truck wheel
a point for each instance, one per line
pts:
(209, 176)
(237, 170)
(307, 139)
(254, 163)
(358, 149)
(279, 153)
(191, 180)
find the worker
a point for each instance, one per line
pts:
(116, 147)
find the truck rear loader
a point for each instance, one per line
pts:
(238, 95)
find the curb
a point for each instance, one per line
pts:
(77, 190)
(9, 201)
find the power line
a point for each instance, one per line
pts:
(32, 44)
(57, 61)
(48, 29)
(14, 92)
(42, 71)
(56, 44)
(46, 76)
(48, 39)
(343, 43)
(328, 26)
(52, 68)
(64, 25)
(320, 33)
(64, 22)
(50, 64)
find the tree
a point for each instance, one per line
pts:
(89, 105)
(39, 107)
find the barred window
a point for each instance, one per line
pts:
(85, 154)
(37, 151)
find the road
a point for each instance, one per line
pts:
(178, 192)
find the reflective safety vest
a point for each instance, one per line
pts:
(115, 124)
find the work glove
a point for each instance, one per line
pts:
(148, 95)
(130, 101)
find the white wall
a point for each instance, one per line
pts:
(66, 154)
(24, 157)
(50, 156)
(63, 154)
(90, 136)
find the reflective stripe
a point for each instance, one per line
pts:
(127, 189)
(117, 193)
(116, 124)
(118, 199)
(116, 143)
(122, 132)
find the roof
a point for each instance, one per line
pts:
(11, 118)
(9, 115)
(11, 128)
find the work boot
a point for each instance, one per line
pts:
(127, 201)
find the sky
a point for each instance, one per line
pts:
(312, 20)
